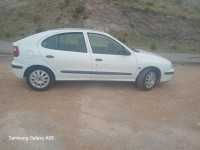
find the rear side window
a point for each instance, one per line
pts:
(51, 42)
(66, 42)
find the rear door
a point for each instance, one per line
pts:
(67, 54)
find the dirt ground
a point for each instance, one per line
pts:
(101, 115)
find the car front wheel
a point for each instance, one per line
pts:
(40, 79)
(147, 79)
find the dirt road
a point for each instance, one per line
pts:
(101, 115)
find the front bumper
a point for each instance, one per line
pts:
(18, 69)
(167, 75)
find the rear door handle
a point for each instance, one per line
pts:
(49, 56)
(98, 59)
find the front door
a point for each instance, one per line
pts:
(67, 54)
(110, 60)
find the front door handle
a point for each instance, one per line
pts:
(98, 59)
(49, 56)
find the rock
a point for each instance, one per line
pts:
(163, 118)
(49, 126)
(5, 140)
(198, 123)
(54, 110)
(120, 91)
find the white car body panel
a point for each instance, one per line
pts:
(126, 65)
(112, 64)
(67, 61)
(153, 60)
(32, 53)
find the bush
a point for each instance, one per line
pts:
(67, 2)
(64, 4)
(75, 15)
(196, 8)
(179, 2)
(135, 8)
(183, 17)
(21, 14)
(57, 19)
(174, 47)
(150, 3)
(153, 47)
(79, 9)
(85, 17)
(123, 40)
(7, 34)
(36, 19)
(39, 29)
(146, 10)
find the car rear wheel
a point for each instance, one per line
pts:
(40, 79)
(147, 79)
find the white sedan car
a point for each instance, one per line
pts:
(81, 54)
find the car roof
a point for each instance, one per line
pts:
(77, 29)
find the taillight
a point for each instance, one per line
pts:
(16, 51)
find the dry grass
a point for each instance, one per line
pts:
(186, 9)
(19, 18)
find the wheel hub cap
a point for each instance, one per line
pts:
(150, 80)
(39, 79)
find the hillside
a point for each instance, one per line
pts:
(160, 25)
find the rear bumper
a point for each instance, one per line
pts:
(18, 69)
(167, 75)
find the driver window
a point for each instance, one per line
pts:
(104, 45)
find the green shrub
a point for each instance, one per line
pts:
(153, 47)
(183, 17)
(174, 47)
(179, 2)
(36, 19)
(39, 29)
(196, 8)
(123, 40)
(135, 8)
(146, 10)
(67, 2)
(85, 17)
(150, 3)
(75, 15)
(57, 19)
(7, 34)
(80, 9)
(21, 14)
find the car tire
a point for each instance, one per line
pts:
(40, 79)
(147, 79)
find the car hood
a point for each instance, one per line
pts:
(144, 57)
(146, 52)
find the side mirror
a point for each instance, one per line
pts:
(124, 52)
